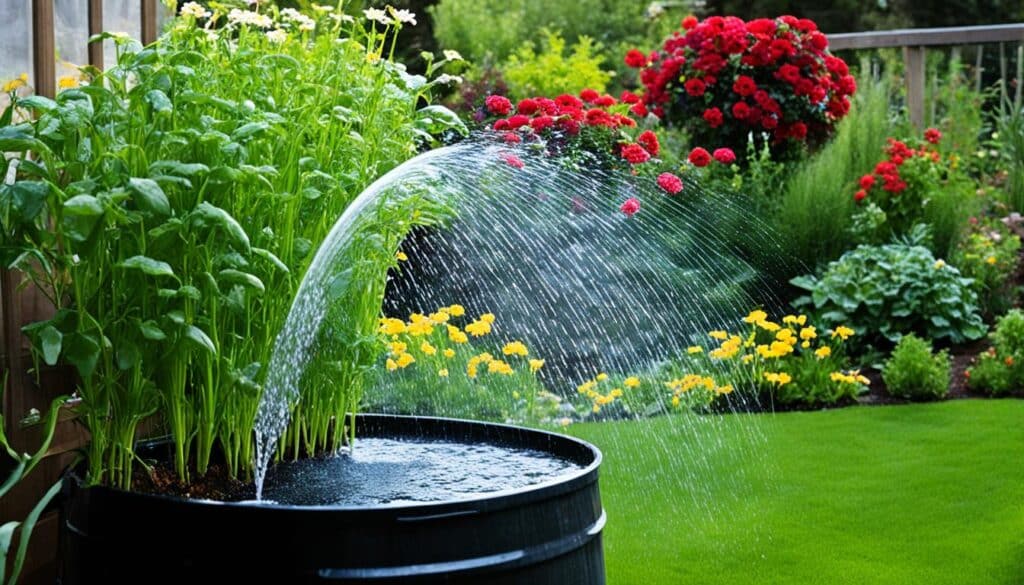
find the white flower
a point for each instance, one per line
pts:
(256, 19)
(195, 10)
(307, 25)
(452, 55)
(322, 8)
(292, 14)
(403, 15)
(445, 79)
(342, 17)
(377, 15)
(277, 36)
(211, 34)
(654, 10)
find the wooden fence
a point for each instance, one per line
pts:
(915, 41)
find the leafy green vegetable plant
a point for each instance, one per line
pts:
(915, 372)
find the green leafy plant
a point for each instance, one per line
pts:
(915, 372)
(171, 206)
(551, 71)
(885, 292)
(1001, 369)
(989, 254)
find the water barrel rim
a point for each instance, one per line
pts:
(401, 425)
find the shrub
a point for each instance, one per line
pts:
(551, 71)
(1001, 368)
(992, 374)
(989, 256)
(724, 79)
(885, 292)
(914, 372)
(915, 185)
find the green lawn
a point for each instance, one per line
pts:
(930, 494)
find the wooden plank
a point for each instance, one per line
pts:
(44, 54)
(14, 396)
(149, 8)
(914, 64)
(922, 37)
(95, 28)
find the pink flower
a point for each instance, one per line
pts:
(670, 183)
(511, 138)
(498, 105)
(630, 206)
(725, 156)
(649, 140)
(699, 157)
(513, 160)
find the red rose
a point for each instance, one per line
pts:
(769, 122)
(635, 59)
(744, 85)
(670, 183)
(639, 110)
(740, 110)
(635, 154)
(695, 87)
(528, 107)
(630, 206)
(699, 157)
(501, 124)
(517, 121)
(788, 73)
(867, 182)
(541, 123)
(689, 22)
(498, 105)
(649, 140)
(725, 156)
(860, 195)
(714, 117)
(798, 130)
(933, 135)
(589, 95)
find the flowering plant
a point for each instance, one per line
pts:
(723, 80)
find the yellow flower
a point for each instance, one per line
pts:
(720, 335)
(536, 365)
(616, 392)
(16, 83)
(456, 310)
(727, 389)
(767, 325)
(484, 357)
(515, 348)
(487, 318)
(778, 378)
(471, 369)
(747, 359)
(808, 333)
(786, 336)
(675, 401)
(67, 82)
(456, 335)
(443, 372)
(515, 395)
(439, 317)
(755, 317)
(842, 332)
(449, 353)
(564, 421)
(795, 320)
(939, 264)
(419, 325)
(694, 349)
(397, 347)
(392, 366)
(389, 326)
(428, 349)
(729, 348)
(823, 352)
(597, 408)
(781, 348)
(602, 377)
(990, 260)
(405, 360)
(401, 256)
(478, 328)
(631, 382)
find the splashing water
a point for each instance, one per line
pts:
(546, 248)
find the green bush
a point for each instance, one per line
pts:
(817, 203)
(914, 372)
(1001, 369)
(1009, 334)
(991, 374)
(885, 292)
(989, 255)
(551, 71)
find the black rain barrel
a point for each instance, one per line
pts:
(547, 534)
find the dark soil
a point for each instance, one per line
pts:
(217, 484)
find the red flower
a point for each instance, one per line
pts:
(725, 156)
(689, 22)
(798, 130)
(639, 110)
(511, 138)
(517, 121)
(867, 182)
(512, 160)
(714, 117)
(635, 59)
(740, 111)
(568, 101)
(933, 135)
(630, 206)
(604, 101)
(695, 87)
(744, 85)
(629, 97)
(860, 195)
(635, 154)
(570, 126)
(498, 105)
(649, 140)
(670, 183)
(501, 124)
(541, 123)
(789, 73)
(589, 95)
(528, 107)
(699, 157)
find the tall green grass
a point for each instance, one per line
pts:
(817, 203)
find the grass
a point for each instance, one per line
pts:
(930, 494)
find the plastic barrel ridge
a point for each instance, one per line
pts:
(545, 534)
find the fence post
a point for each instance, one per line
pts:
(95, 28)
(148, 14)
(44, 58)
(914, 66)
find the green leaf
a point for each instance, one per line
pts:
(128, 355)
(272, 258)
(212, 215)
(159, 100)
(38, 103)
(200, 338)
(173, 167)
(248, 130)
(20, 138)
(28, 525)
(149, 196)
(28, 199)
(232, 276)
(50, 339)
(151, 331)
(148, 265)
(83, 205)
(81, 351)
